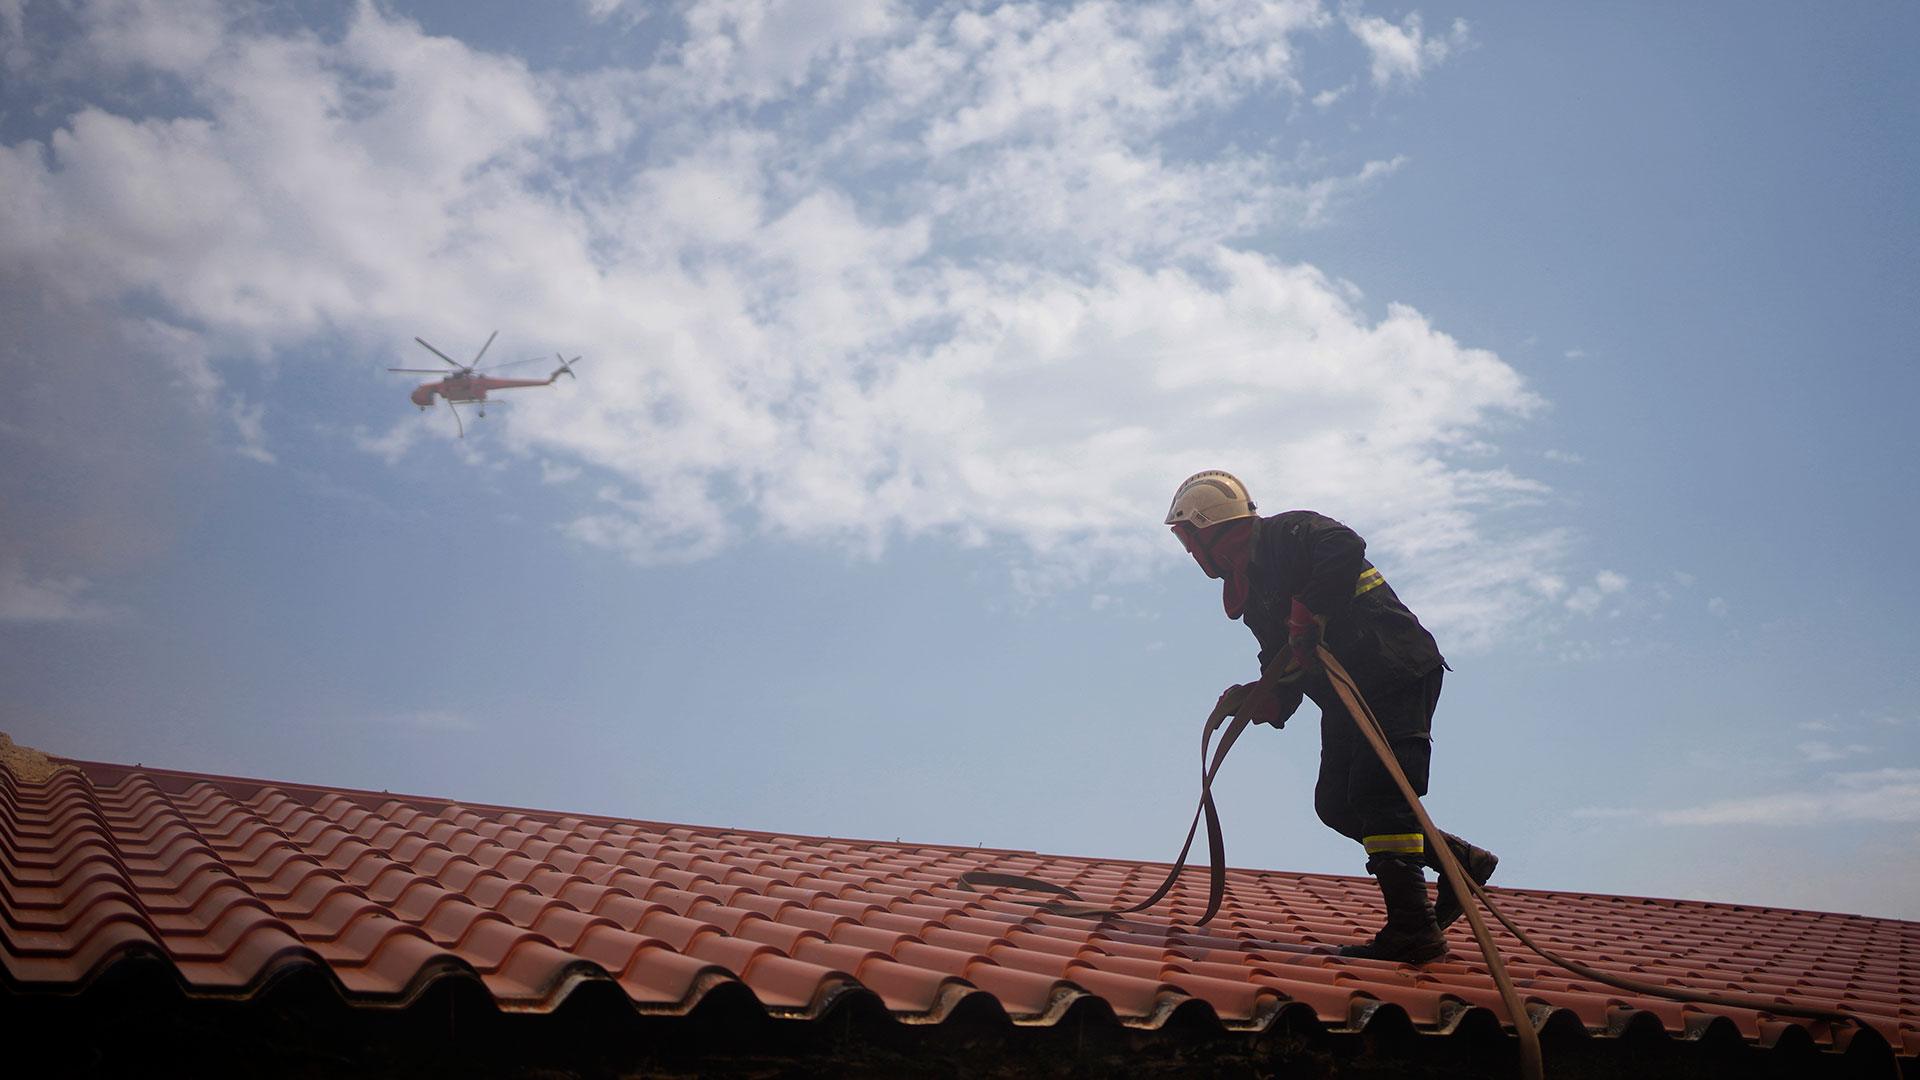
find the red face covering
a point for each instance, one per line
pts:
(1222, 550)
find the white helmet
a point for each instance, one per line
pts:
(1208, 498)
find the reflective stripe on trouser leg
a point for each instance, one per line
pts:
(1395, 844)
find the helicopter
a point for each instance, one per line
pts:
(467, 385)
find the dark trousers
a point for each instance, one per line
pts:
(1355, 796)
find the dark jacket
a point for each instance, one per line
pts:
(1311, 556)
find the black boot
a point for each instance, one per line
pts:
(1477, 862)
(1410, 936)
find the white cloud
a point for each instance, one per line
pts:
(27, 598)
(842, 273)
(1605, 813)
(1587, 599)
(327, 173)
(1325, 99)
(1819, 751)
(1403, 53)
(1878, 795)
(1717, 607)
(423, 720)
(756, 50)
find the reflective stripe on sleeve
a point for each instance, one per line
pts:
(1368, 579)
(1396, 843)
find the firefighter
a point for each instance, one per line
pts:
(1298, 580)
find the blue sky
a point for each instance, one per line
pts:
(900, 323)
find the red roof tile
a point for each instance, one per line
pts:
(232, 881)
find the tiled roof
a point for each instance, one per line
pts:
(234, 882)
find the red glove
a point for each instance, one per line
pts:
(1264, 707)
(1259, 706)
(1305, 631)
(1232, 698)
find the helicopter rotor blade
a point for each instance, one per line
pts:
(566, 365)
(418, 370)
(512, 363)
(483, 350)
(440, 354)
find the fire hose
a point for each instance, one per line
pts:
(1465, 889)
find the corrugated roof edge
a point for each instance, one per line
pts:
(853, 1021)
(954, 1000)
